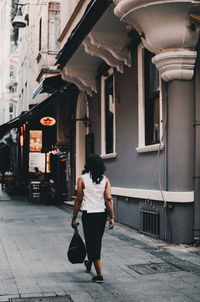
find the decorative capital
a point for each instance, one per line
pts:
(175, 64)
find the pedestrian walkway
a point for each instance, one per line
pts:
(33, 245)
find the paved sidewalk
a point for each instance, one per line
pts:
(33, 263)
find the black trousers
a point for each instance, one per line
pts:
(93, 228)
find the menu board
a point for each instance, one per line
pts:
(36, 159)
(35, 190)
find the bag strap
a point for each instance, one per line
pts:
(76, 228)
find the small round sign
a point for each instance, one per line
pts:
(48, 121)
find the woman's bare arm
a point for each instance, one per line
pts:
(78, 200)
(109, 203)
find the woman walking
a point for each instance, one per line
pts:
(93, 191)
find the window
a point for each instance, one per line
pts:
(149, 103)
(54, 25)
(40, 34)
(108, 115)
(11, 111)
(11, 74)
(11, 107)
(152, 98)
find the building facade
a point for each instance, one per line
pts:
(136, 66)
(130, 94)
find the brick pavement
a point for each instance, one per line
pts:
(33, 245)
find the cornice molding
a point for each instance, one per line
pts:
(84, 78)
(114, 43)
(103, 54)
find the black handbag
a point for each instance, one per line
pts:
(76, 251)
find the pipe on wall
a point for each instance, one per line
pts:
(196, 228)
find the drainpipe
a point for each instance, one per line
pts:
(197, 159)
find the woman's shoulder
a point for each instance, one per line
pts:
(85, 175)
(105, 179)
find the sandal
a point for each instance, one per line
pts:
(98, 279)
(88, 265)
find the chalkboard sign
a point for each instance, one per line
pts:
(34, 190)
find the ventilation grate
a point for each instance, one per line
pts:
(150, 222)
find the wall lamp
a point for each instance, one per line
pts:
(85, 120)
(19, 21)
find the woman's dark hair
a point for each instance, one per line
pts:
(95, 166)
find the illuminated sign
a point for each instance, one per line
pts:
(48, 121)
(35, 144)
(21, 140)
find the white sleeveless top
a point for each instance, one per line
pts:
(93, 197)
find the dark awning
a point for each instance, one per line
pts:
(49, 85)
(93, 13)
(27, 116)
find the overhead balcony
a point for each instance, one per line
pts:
(167, 30)
(108, 41)
(46, 61)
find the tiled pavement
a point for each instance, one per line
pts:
(33, 244)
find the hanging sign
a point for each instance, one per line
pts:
(48, 121)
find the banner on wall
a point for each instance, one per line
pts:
(35, 144)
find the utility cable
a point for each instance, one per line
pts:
(158, 157)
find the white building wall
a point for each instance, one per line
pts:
(27, 56)
(8, 61)
(71, 13)
(31, 59)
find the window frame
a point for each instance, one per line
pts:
(40, 34)
(103, 116)
(54, 9)
(142, 147)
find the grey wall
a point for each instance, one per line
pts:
(133, 170)
(129, 169)
(180, 135)
(180, 223)
(127, 211)
(176, 221)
